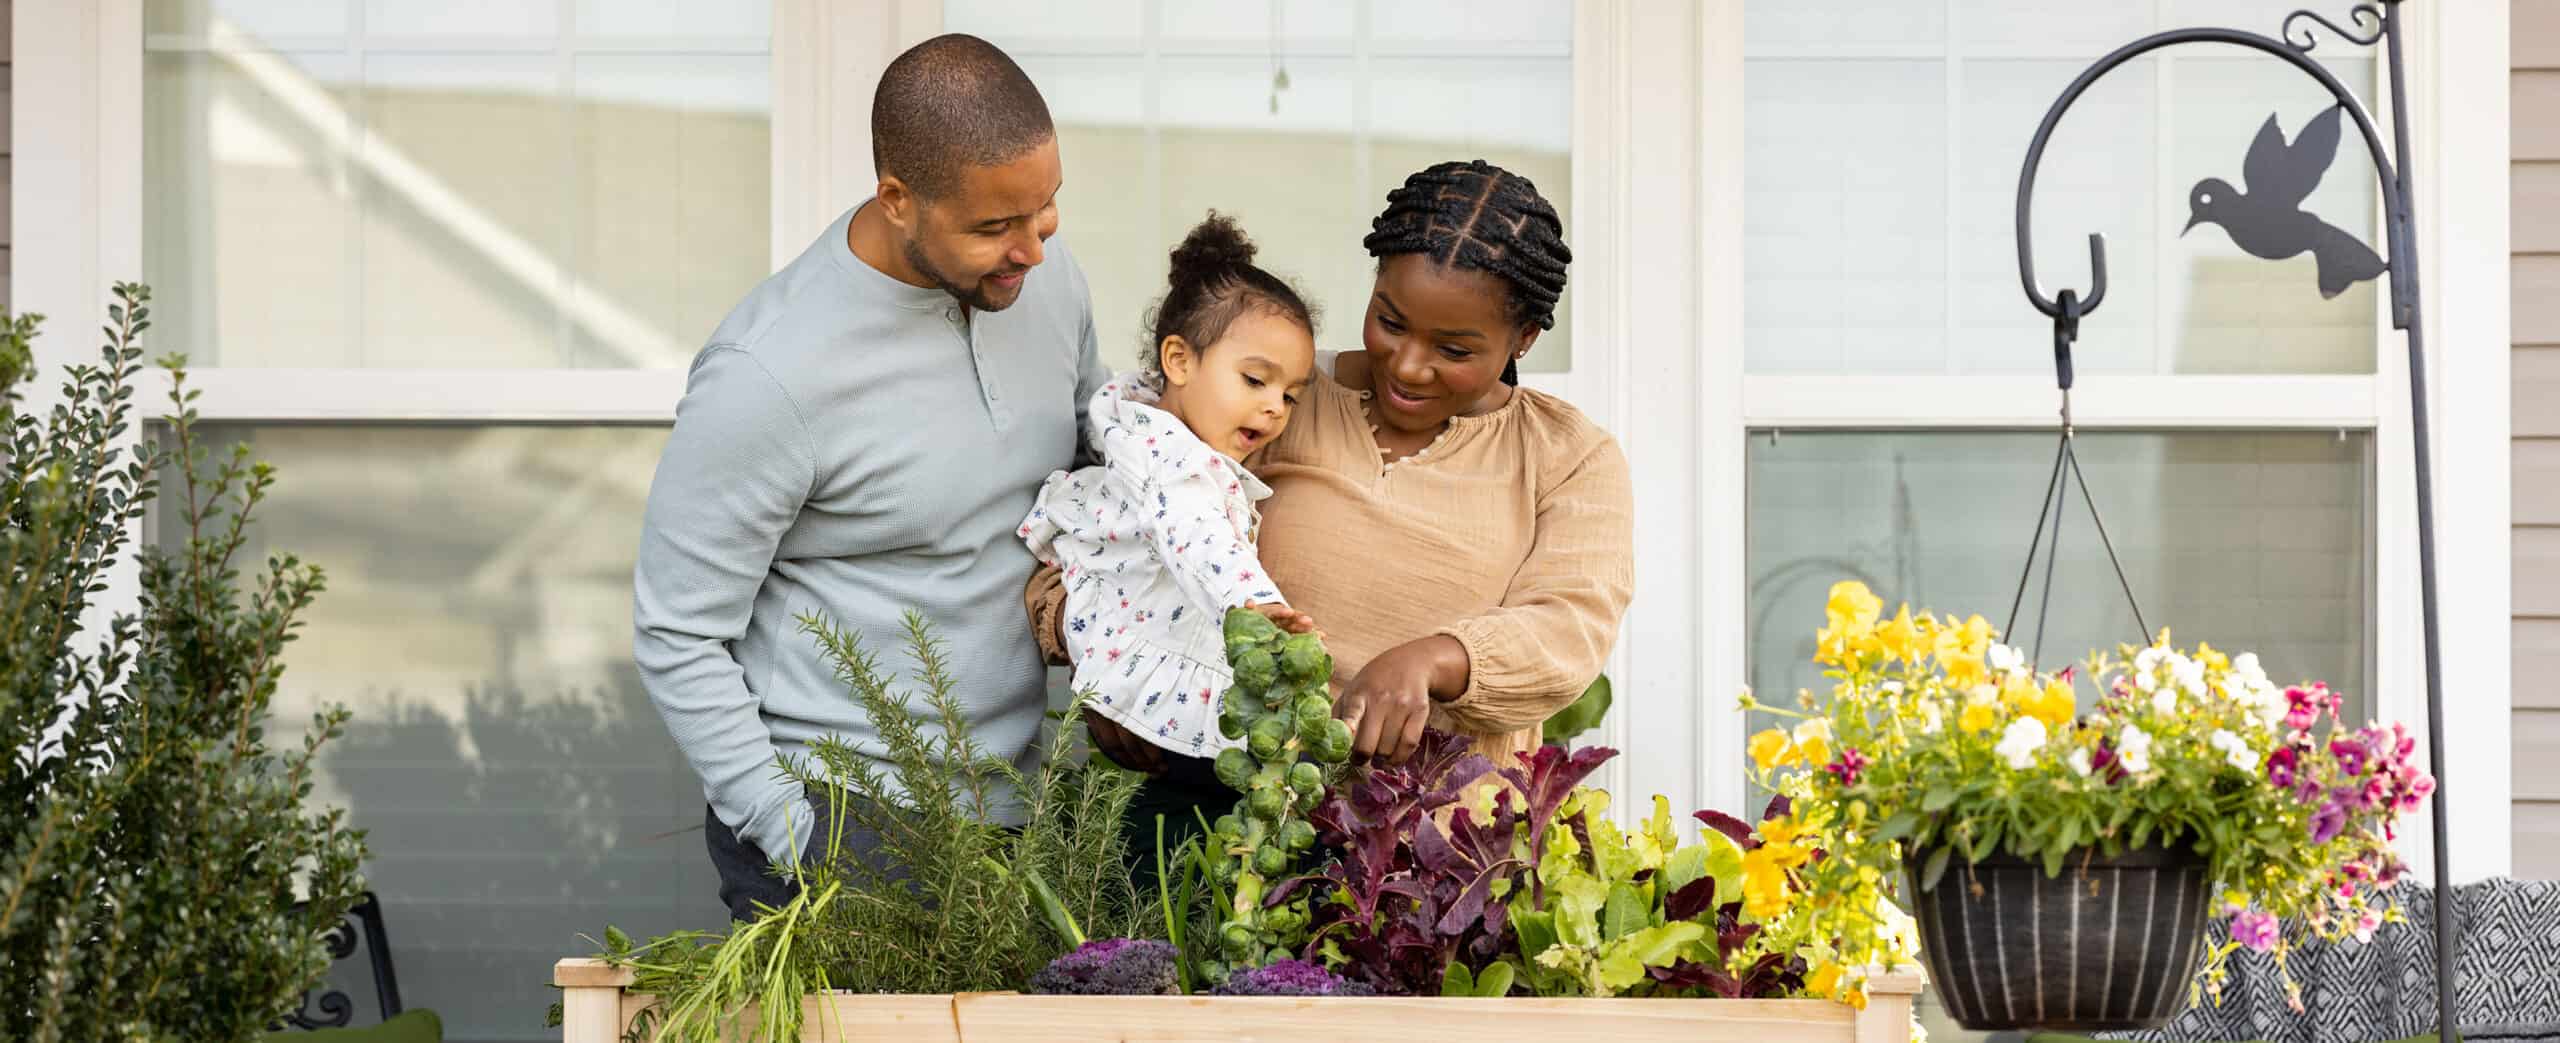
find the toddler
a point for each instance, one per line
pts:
(1157, 543)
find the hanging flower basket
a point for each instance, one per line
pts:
(2110, 944)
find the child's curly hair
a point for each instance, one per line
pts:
(1213, 280)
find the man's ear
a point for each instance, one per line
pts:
(900, 204)
(1178, 359)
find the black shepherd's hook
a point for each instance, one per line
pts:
(2342, 262)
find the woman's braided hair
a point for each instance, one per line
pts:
(1480, 216)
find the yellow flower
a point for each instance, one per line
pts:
(1782, 830)
(1901, 639)
(1824, 981)
(1978, 715)
(1764, 884)
(1963, 669)
(1813, 743)
(1769, 749)
(1853, 605)
(1851, 614)
(2056, 706)
(2218, 662)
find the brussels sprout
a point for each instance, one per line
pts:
(1234, 767)
(1254, 669)
(1315, 709)
(1236, 939)
(1228, 825)
(1308, 799)
(1305, 777)
(1266, 737)
(1335, 748)
(1266, 803)
(1250, 625)
(1234, 718)
(1211, 970)
(1297, 835)
(1269, 860)
(1302, 659)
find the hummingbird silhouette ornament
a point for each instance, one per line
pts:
(2268, 220)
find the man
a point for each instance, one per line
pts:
(861, 437)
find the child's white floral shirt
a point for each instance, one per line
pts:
(1155, 545)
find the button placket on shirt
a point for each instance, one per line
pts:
(987, 387)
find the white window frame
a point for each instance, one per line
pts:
(1658, 333)
(2455, 51)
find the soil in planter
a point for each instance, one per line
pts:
(2112, 943)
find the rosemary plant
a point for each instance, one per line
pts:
(950, 902)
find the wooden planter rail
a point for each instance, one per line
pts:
(598, 1007)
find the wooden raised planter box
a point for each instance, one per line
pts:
(597, 1007)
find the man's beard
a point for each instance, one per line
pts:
(973, 296)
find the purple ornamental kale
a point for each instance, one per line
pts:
(1112, 967)
(1289, 978)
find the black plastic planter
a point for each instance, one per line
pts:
(2110, 944)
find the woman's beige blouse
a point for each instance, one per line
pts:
(1513, 533)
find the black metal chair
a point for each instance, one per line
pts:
(335, 1007)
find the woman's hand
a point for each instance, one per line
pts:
(1124, 749)
(1390, 700)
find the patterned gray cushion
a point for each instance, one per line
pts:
(2507, 983)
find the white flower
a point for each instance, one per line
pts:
(2263, 699)
(1813, 728)
(2164, 702)
(2235, 749)
(1931, 718)
(2080, 763)
(2189, 673)
(2146, 680)
(2004, 658)
(2245, 667)
(2019, 744)
(1892, 687)
(2145, 660)
(2133, 748)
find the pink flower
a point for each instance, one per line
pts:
(2257, 930)
(2303, 708)
(2367, 924)
(2415, 795)
(2280, 767)
(2351, 753)
(1848, 766)
(2329, 820)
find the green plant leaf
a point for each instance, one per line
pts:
(1626, 913)
(1899, 826)
(1937, 867)
(1938, 799)
(1582, 715)
(1457, 980)
(1495, 982)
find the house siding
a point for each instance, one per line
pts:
(2535, 167)
(5, 52)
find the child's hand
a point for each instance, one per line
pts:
(1286, 618)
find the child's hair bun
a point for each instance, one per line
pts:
(1215, 245)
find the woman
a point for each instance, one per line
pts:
(1466, 544)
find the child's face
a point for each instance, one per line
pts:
(1237, 394)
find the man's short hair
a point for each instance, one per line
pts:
(952, 102)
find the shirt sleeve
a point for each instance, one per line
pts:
(1091, 374)
(1537, 652)
(1183, 511)
(736, 470)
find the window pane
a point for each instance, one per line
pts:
(1884, 147)
(462, 186)
(1152, 139)
(2256, 541)
(518, 787)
